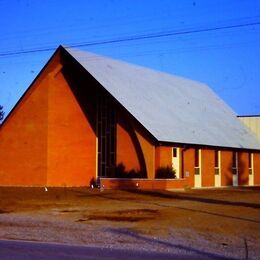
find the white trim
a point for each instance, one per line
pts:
(251, 176)
(197, 177)
(235, 176)
(218, 177)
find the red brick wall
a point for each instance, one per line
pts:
(207, 168)
(163, 156)
(257, 168)
(125, 148)
(143, 184)
(148, 149)
(188, 163)
(135, 149)
(71, 140)
(23, 140)
(47, 139)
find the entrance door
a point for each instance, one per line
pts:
(176, 161)
(197, 173)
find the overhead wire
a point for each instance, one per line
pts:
(135, 38)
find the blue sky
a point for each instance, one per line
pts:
(227, 60)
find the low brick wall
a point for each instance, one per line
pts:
(145, 184)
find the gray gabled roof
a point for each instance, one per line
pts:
(171, 108)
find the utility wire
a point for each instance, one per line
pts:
(134, 38)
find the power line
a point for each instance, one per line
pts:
(134, 38)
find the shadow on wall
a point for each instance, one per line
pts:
(127, 124)
(226, 170)
(229, 176)
(243, 171)
(242, 175)
(78, 81)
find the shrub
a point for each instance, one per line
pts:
(120, 172)
(165, 173)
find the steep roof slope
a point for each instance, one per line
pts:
(171, 108)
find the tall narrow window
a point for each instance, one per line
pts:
(250, 155)
(216, 158)
(174, 152)
(234, 162)
(197, 162)
(249, 160)
(196, 157)
(216, 162)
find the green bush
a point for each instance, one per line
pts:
(165, 173)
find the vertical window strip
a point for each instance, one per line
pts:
(250, 160)
(196, 157)
(216, 159)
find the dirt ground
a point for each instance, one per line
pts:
(207, 222)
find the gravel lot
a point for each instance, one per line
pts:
(209, 223)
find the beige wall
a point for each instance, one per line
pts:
(253, 123)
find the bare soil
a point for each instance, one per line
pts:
(206, 222)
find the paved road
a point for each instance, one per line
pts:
(13, 249)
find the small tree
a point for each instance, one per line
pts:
(1, 113)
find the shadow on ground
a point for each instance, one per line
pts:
(191, 197)
(154, 241)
